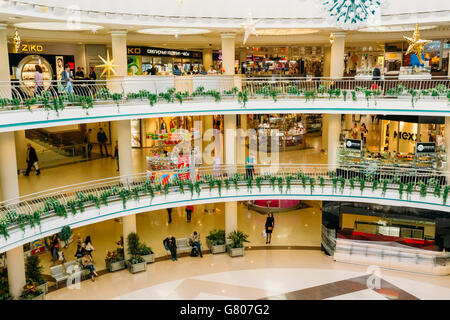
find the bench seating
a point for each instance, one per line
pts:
(60, 273)
(182, 246)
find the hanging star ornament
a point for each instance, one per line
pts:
(249, 28)
(416, 44)
(108, 65)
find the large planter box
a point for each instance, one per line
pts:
(43, 287)
(115, 266)
(221, 248)
(138, 267)
(39, 297)
(236, 252)
(149, 258)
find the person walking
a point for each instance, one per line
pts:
(87, 246)
(55, 244)
(249, 168)
(169, 213)
(195, 239)
(171, 245)
(88, 141)
(270, 224)
(189, 210)
(364, 132)
(32, 160)
(102, 139)
(116, 154)
(355, 132)
(39, 80)
(67, 79)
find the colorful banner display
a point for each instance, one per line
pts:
(183, 167)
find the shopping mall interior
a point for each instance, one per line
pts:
(204, 150)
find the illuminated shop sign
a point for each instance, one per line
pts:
(425, 147)
(31, 47)
(405, 135)
(148, 51)
(353, 144)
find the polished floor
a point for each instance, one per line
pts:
(260, 274)
(295, 228)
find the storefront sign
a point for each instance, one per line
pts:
(425, 147)
(353, 144)
(26, 47)
(405, 135)
(148, 51)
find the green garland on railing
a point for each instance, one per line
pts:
(76, 204)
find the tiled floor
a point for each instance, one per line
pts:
(260, 274)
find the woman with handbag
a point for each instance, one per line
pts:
(270, 223)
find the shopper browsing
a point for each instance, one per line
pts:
(67, 79)
(102, 139)
(171, 245)
(32, 160)
(38, 79)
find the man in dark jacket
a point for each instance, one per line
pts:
(32, 160)
(102, 139)
(171, 245)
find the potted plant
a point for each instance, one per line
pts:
(216, 241)
(31, 292)
(136, 263)
(33, 272)
(115, 260)
(146, 253)
(236, 245)
(4, 286)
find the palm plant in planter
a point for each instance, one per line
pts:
(136, 263)
(146, 253)
(216, 241)
(31, 292)
(115, 260)
(236, 245)
(33, 272)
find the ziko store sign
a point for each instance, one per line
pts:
(425, 147)
(148, 51)
(353, 144)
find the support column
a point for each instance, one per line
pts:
(228, 53)
(119, 49)
(126, 168)
(229, 128)
(334, 130)
(327, 61)
(241, 141)
(348, 122)
(207, 124)
(21, 150)
(230, 217)
(337, 55)
(207, 58)
(10, 190)
(4, 66)
(324, 133)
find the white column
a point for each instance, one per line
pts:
(241, 139)
(229, 127)
(16, 271)
(80, 58)
(4, 66)
(21, 149)
(198, 144)
(348, 122)
(337, 55)
(230, 217)
(324, 133)
(326, 61)
(126, 168)
(207, 124)
(207, 58)
(228, 53)
(119, 49)
(10, 190)
(124, 138)
(334, 130)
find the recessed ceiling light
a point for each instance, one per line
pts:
(57, 26)
(173, 31)
(395, 28)
(285, 32)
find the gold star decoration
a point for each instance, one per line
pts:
(416, 44)
(108, 65)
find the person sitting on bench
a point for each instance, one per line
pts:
(195, 242)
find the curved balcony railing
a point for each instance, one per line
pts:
(29, 210)
(169, 89)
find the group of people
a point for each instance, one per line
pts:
(102, 140)
(178, 70)
(360, 134)
(170, 244)
(84, 253)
